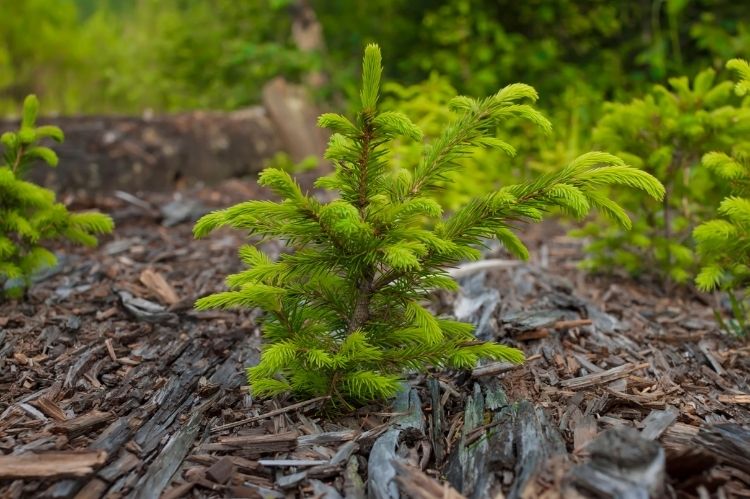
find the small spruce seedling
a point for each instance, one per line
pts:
(723, 244)
(29, 215)
(667, 132)
(345, 313)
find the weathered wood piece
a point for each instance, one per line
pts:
(291, 462)
(332, 437)
(623, 464)
(294, 119)
(418, 485)
(602, 377)
(537, 444)
(380, 469)
(468, 464)
(438, 415)
(258, 443)
(657, 422)
(729, 442)
(221, 471)
(157, 477)
(83, 424)
(493, 369)
(51, 464)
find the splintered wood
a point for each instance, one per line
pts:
(51, 464)
(602, 377)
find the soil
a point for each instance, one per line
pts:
(111, 385)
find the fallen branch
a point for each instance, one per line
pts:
(269, 414)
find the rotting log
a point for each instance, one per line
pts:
(156, 152)
(107, 153)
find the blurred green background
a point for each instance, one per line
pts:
(123, 56)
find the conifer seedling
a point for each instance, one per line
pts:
(666, 133)
(29, 214)
(723, 243)
(345, 309)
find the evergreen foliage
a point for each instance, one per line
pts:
(345, 311)
(666, 133)
(427, 105)
(723, 243)
(29, 215)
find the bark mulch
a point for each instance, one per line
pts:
(111, 385)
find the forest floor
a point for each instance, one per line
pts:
(111, 385)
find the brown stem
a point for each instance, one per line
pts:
(363, 164)
(361, 312)
(17, 162)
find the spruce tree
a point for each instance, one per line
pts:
(345, 310)
(723, 244)
(667, 132)
(29, 214)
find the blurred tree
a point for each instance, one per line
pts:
(125, 55)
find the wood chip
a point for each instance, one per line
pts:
(110, 349)
(83, 424)
(51, 464)
(584, 432)
(325, 438)
(657, 422)
(602, 377)
(278, 442)
(418, 485)
(221, 471)
(158, 285)
(291, 462)
(735, 399)
(50, 408)
(496, 368)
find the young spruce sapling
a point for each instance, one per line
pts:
(29, 214)
(723, 243)
(345, 312)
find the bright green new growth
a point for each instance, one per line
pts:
(29, 214)
(667, 132)
(345, 313)
(723, 244)
(426, 104)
